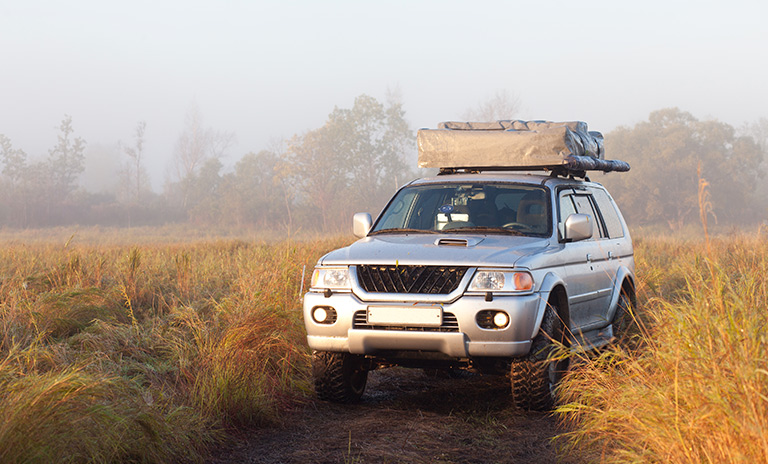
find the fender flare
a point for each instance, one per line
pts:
(622, 275)
(550, 282)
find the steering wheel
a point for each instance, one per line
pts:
(518, 226)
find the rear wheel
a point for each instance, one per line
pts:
(339, 377)
(535, 378)
(623, 319)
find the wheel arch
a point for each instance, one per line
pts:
(552, 292)
(628, 287)
(625, 283)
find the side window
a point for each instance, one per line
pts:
(566, 209)
(608, 212)
(424, 207)
(584, 206)
(397, 211)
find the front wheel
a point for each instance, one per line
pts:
(339, 377)
(535, 378)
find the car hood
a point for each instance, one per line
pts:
(434, 249)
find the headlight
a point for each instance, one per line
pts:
(501, 281)
(334, 278)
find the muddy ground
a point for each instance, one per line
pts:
(409, 417)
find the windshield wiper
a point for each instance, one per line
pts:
(481, 229)
(403, 231)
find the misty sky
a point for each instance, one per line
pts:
(267, 70)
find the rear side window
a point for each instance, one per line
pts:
(608, 212)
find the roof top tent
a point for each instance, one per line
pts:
(566, 148)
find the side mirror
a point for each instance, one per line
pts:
(361, 224)
(577, 227)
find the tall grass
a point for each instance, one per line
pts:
(147, 353)
(154, 352)
(71, 415)
(694, 387)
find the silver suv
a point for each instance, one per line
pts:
(483, 271)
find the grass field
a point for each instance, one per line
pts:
(156, 351)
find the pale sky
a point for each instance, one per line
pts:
(267, 70)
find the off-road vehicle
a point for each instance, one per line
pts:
(490, 267)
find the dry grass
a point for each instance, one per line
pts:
(694, 387)
(154, 352)
(71, 415)
(147, 353)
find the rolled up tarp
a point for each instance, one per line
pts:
(507, 143)
(587, 163)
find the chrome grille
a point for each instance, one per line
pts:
(450, 324)
(432, 280)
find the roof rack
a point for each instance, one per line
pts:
(573, 165)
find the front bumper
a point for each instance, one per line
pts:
(468, 340)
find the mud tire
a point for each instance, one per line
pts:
(622, 320)
(339, 377)
(535, 378)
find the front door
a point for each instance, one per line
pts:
(589, 280)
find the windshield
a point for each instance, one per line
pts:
(468, 208)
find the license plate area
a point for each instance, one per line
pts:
(405, 316)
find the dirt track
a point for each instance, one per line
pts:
(408, 417)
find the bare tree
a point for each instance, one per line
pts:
(282, 178)
(135, 176)
(501, 105)
(197, 144)
(196, 147)
(220, 143)
(191, 146)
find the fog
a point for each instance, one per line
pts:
(266, 71)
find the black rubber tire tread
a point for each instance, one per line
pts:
(339, 377)
(529, 376)
(622, 320)
(528, 384)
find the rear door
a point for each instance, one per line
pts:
(614, 238)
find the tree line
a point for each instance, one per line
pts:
(356, 160)
(672, 153)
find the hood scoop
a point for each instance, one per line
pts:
(459, 242)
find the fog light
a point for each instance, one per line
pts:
(500, 319)
(320, 315)
(324, 314)
(492, 319)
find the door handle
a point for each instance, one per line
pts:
(610, 255)
(589, 257)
